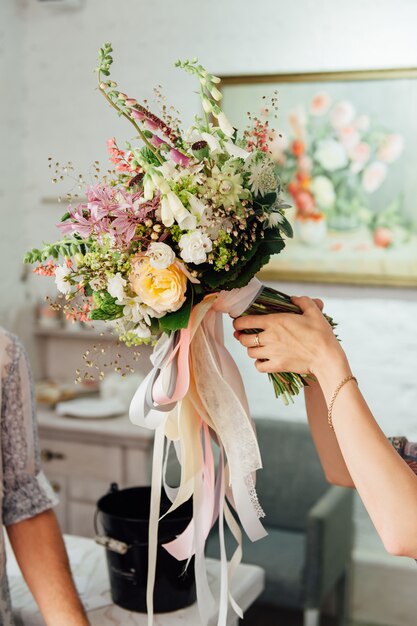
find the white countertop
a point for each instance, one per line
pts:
(90, 574)
(114, 430)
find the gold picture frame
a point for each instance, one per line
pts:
(394, 266)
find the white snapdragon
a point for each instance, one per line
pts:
(224, 124)
(116, 285)
(212, 142)
(236, 151)
(161, 255)
(195, 246)
(61, 275)
(198, 207)
(172, 209)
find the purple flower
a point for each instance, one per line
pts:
(91, 218)
(179, 158)
(133, 210)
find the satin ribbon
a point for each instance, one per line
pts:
(194, 393)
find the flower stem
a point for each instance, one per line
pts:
(121, 112)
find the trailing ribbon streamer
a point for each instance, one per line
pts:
(193, 394)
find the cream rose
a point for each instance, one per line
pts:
(194, 247)
(162, 290)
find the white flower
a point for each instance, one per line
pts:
(148, 187)
(160, 182)
(323, 192)
(194, 247)
(262, 177)
(224, 124)
(142, 331)
(61, 274)
(136, 311)
(172, 209)
(274, 219)
(197, 206)
(161, 256)
(236, 151)
(115, 286)
(331, 155)
(212, 142)
(216, 94)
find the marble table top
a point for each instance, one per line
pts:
(90, 574)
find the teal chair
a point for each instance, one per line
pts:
(307, 553)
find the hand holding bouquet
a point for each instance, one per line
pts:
(160, 249)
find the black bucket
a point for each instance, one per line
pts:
(124, 516)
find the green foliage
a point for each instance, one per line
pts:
(106, 307)
(149, 156)
(66, 247)
(178, 319)
(105, 59)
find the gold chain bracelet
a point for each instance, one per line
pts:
(334, 396)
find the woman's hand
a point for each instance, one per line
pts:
(288, 342)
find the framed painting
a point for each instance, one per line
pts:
(346, 147)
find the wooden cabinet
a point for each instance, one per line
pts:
(82, 459)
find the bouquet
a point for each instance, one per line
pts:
(161, 248)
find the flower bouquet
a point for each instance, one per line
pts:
(333, 161)
(162, 247)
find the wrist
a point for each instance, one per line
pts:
(331, 367)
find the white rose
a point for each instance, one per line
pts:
(194, 247)
(61, 274)
(323, 191)
(115, 286)
(331, 155)
(161, 256)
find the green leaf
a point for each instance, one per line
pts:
(65, 217)
(178, 319)
(269, 199)
(264, 253)
(286, 228)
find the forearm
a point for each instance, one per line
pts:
(42, 558)
(387, 486)
(326, 444)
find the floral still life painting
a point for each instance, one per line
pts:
(346, 152)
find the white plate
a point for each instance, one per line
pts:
(92, 408)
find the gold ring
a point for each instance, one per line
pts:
(257, 342)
